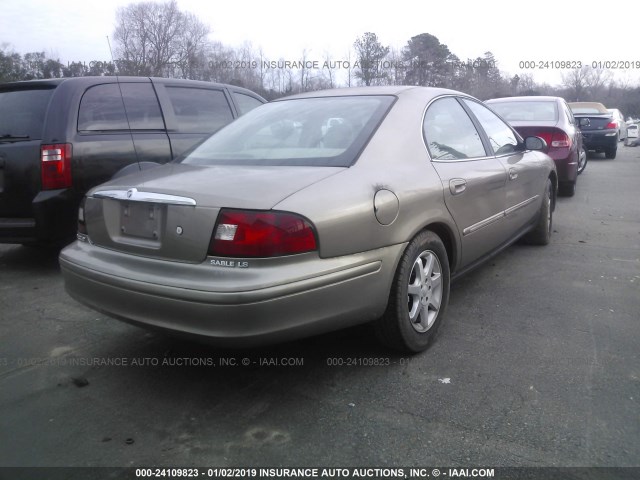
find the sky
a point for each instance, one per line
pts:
(542, 33)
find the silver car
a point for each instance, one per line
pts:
(313, 213)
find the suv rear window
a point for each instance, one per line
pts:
(101, 108)
(199, 110)
(22, 112)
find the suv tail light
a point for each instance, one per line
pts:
(55, 162)
(245, 233)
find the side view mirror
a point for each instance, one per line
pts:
(535, 143)
(584, 122)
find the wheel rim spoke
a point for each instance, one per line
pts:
(436, 281)
(424, 291)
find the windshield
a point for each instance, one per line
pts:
(527, 111)
(324, 131)
(22, 112)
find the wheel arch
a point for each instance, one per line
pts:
(448, 239)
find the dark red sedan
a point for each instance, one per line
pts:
(551, 119)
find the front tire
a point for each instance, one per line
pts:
(419, 296)
(541, 234)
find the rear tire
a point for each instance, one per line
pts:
(610, 153)
(419, 296)
(582, 160)
(541, 234)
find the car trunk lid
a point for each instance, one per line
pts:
(170, 212)
(596, 122)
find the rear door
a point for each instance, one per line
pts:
(22, 115)
(109, 137)
(473, 180)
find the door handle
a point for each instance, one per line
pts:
(457, 186)
(513, 174)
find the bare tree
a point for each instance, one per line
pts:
(576, 81)
(328, 66)
(597, 81)
(370, 54)
(158, 39)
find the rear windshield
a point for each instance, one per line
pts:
(527, 111)
(22, 112)
(326, 131)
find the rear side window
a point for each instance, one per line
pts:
(22, 112)
(101, 108)
(199, 110)
(449, 132)
(245, 103)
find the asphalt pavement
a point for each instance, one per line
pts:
(537, 364)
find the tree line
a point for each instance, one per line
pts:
(157, 39)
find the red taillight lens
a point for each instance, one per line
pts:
(611, 125)
(55, 161)
(242, 233)
(560, 140)
(546, 136)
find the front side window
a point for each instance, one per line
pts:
(101, 108)
(450, 133)
(326, 131)
(501, 137)
(199, 110)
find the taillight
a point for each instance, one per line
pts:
(546, 136)
(55, 161)
(611, 125)
(244, 233)
(560, 140)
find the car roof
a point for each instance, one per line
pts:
(600, 107)
(422, 93)
(89, 80)
(531, 98)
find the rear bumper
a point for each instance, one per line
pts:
(53, 220)
(600, 141)
(271, 301)
(17, 230)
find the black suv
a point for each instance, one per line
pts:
(60, 137)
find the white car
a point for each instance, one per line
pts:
(618, 117)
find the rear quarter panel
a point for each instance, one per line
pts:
(395, 159)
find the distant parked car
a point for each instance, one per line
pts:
(313, 213)
(551, 119)
(599, 129)
(619, 119)
(60, 137)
